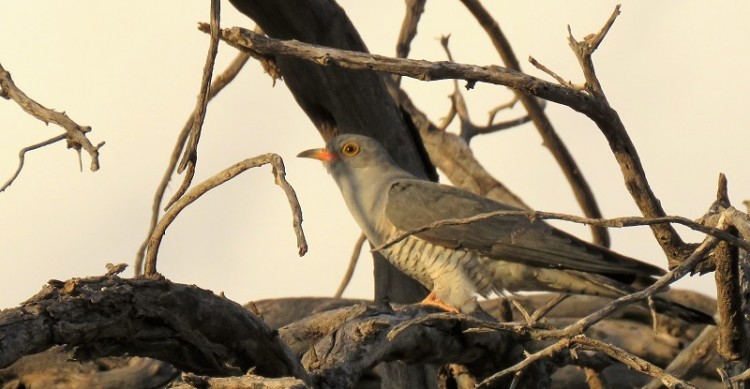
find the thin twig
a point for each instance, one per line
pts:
(216, 180)
(554, 75)
(414, 10)
(548, 306)
(76, 134)
(586, 343)
(678, 272)
(585, 48)
(446, 120)
(619, 222)
(458, 107)
(352, 265)
(522, 311)
(218, 84)
(190, 156)
(22, 157)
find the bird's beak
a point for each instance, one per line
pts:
(319, 154)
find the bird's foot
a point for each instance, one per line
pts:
(432, 300)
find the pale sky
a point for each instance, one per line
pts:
(676, 71)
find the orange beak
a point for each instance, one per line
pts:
(319, 154)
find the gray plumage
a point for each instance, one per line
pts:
(457, 262)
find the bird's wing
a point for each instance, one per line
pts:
(412, 204)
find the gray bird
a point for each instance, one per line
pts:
(457, 262)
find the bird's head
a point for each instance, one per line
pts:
(352, 155)
(362, 169)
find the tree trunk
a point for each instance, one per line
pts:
(340, 101)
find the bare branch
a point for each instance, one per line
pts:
(548, 306)
(352, 265)
(622, 146)
(76, 134)
(554, 75)
(190, 156)
(216, 180)
(22, 156)
(414, 10)
(585, 48)
(744, 376)
(107, 315)
(458, 106)
(219, 82)
(620, 222)
(418, 69)
(585, 343)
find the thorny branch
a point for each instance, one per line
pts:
(218, 179)
(74, 133)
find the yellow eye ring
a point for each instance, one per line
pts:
(350, 149)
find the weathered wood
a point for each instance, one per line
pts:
(56, 368)
(191, 328)
(196, 330)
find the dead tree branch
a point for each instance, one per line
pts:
(75, 133)
(190, 328)
(227, 174)
(458, 107)
(583, 342)
(620, 222)
(414, 10)
(190, 156)
(219, 82)
(22, 157)
(691, 358)
(191, 381)
(622, 146)
(352, 265)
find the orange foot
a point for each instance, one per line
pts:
(433, 301)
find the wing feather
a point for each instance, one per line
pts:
(511, 238)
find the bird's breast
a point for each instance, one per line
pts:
(431, 263)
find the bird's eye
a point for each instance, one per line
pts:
(350, 149)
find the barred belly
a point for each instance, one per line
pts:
(454, 275)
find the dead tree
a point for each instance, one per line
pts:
(542, 341)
